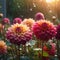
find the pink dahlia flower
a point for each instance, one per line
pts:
(39, 16)
(58, 32)
(19, 34)
(44, 30)
(50, 49)
(3, 47)
(6, 21)
(17, 20)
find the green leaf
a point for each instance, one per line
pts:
(45, 54)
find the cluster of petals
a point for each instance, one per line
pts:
(19, 34)
(52, 50)
(29, 22)
(17, 20)
(39, 16)
(6, 21)
(44, 30)
(58, 32)
(3, 47)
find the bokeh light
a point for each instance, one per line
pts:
(50, 1)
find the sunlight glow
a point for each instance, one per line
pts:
(50, 1)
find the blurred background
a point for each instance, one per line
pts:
(28, 8)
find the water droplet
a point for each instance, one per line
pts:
(30, 9)
(18, 6)
(34, 5)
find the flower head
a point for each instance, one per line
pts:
(29, 22)
(17, 20)
(19, 34)
(53, 49)
(3, 47)
(39, 16)
(44, 30)
(6, 21)
(50, 49)
(58, 32)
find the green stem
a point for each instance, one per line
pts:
(12, 52)
(24, 49)
(58, 49)
(16, 50)
(19, 51)
(42, 50)
(3, 57)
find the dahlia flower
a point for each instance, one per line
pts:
(17, 20)
(3, 47)
(50, 50)
(44, 30)
(18, 34)
(6, 21)
(58, 32)
(39, 16)
(29, 22)
(53, 49)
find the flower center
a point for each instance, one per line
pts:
(18, 30)
(45, 26)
